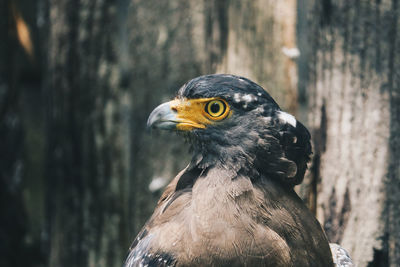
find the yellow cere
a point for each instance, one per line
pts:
(198, 113)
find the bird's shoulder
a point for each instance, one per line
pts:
(141, 252)
(284, 212)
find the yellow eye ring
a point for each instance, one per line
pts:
(216, 109)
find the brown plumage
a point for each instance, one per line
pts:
(234, 205)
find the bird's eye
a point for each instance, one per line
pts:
(216, 109)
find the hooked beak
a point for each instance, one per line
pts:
(163, 117)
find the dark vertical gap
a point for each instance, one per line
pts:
(393, 190)
(76, 127)
(346, 35)
(332, 12)
(320, 140)
(223, 22)
(302, 62)
(208, 32)
(326, 12)
(363, 47)
(313, 194)
(378, 37)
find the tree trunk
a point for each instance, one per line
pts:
(85, 136)
(354, 99)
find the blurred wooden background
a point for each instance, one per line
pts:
(78, 79)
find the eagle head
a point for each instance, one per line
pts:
(234, 123)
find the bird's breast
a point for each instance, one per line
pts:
(218, 224)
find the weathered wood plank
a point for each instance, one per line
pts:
(354, 99)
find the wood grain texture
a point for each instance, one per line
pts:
(84, 152)
(353, 96)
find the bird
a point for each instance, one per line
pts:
(235, 203)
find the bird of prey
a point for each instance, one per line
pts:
(234, 204)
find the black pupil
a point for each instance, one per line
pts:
(215, 107)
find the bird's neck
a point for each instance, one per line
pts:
(231, 158)
(255, 164)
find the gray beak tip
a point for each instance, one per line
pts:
(162, 117)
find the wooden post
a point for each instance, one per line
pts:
(354, 99)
